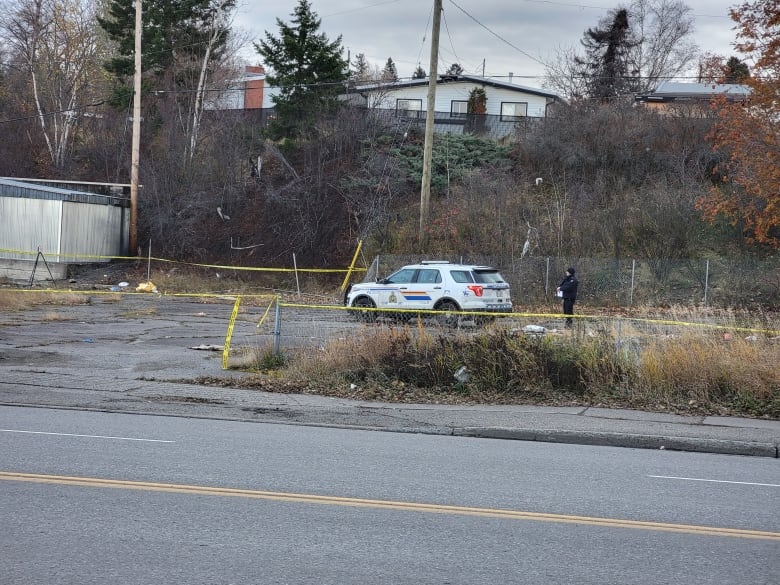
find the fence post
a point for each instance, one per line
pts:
(547, 279)
(297, 284)
(277, 326)
(706, 282)
(633, 272)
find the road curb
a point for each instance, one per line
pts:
(636, 441)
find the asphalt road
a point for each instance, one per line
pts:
(95, 497)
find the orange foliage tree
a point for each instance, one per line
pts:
(749, 133)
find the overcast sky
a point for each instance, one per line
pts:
(503, 36)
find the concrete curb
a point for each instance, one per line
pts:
(635, 441)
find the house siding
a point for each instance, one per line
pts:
(446, 93)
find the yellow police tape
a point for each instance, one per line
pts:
(539, 316)
(168, 261)
(229, 335)
(235, 297)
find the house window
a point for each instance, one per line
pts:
(459, 109)
(411, 108)
(513, 111)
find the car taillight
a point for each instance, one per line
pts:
(476, 289)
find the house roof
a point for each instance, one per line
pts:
(447, 79)
(672, 90)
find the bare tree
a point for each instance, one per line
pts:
(215, 29)
(58, 46)
(628, 55)
(665, 48)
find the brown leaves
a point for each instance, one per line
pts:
(748, 133)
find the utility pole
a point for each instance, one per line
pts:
(136, 147)
(425, 191)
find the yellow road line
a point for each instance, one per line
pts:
(388, 505)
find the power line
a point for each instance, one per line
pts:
(498, 36)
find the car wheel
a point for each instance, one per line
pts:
(365, 316)
(449, 318)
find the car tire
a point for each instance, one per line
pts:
(365, 303)
(449, 318)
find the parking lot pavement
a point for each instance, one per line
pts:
(136, 354)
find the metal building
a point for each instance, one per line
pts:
(66, 225)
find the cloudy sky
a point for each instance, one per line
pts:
(501, 36)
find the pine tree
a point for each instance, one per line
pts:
(455, 69)
(307, 68)
(606, 63)
(361, 71)
(736, 71)
(389, 73)
(419, 73)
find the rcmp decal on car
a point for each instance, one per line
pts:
(416, 295)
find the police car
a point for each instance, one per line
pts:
(432, 285)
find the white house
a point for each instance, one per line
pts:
(507, 103)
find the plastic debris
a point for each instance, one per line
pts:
(462, 374)
(146, 287)
(534, 330)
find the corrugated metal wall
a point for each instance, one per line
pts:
(56, 223)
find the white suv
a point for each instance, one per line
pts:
(432, 285)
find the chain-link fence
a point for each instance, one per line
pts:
(273, 327)
(742, 282)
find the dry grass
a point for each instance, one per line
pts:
(698, 370)
(13, 300)
(694, 373)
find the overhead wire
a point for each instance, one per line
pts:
(495, 34)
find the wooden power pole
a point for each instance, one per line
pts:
(136, 148)
(425, 191)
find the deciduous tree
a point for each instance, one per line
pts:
(631, 50)
(748, 133)
(57, 47)
(183, 41)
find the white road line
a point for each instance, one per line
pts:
(714, 480)
(86, 436)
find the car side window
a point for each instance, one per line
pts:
(403, 276)
(487, 276)
(461, 276)
(428, 276)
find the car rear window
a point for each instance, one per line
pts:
(487, 276)
(461, 276)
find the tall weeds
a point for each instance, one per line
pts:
(697, 373)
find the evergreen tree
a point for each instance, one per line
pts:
(419, 73)
(606, 64)
(361, 71)
(736, 71)
(389, 73)
(455, 69)
(176, 33)
(306, 67)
